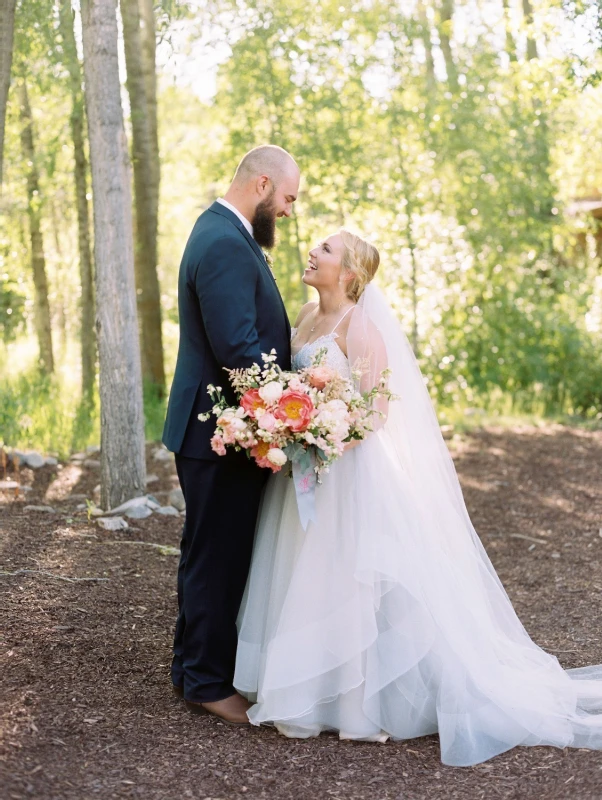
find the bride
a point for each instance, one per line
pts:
(385, 618)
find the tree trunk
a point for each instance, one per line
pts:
(446, 14)
(531, 45)
(149, 49)
(61, 290)
(87, 338)
(510, 45)
(123, 470)
(146, 191)
(38, 261)
(7, 24)
(428, 47)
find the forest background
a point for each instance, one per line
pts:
(461, 136)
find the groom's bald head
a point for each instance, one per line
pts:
(267, 160)
(265, 187)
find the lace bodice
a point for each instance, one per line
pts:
(335, 358)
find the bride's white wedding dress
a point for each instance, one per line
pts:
(385, 619)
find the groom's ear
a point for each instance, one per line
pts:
(262, 185)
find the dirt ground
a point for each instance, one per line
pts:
(87, 710)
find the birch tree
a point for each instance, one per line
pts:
(145, 157)
(38, 260)
(122, 421)
(531, 43)
(446, 15)
(80, 173)
(7, 23)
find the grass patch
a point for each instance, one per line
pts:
(44, 413)
(39, 412)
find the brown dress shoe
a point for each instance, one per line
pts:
(232, 710)
(178, 690)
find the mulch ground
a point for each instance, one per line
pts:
(87, 709)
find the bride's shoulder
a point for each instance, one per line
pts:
(307, 308)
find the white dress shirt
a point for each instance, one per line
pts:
(243, 219)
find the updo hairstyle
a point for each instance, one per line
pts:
(360, 258)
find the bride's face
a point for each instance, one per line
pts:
(324, 263)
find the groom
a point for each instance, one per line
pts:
(230, 313)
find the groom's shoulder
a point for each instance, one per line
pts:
(211, 227)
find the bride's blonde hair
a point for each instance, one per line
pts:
(360, 258)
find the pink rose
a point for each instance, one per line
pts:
(267, 421)
(217, 445)
(228, 435)
(295, 409)
(319, 376)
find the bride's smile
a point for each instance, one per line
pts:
(324, 263)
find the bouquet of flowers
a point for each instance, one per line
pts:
(300, 418)
(284, 416)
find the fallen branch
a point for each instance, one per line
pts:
(164, 549)
(527, 538)
(52, 575)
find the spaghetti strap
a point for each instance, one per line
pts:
(342, 318)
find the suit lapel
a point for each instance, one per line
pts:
(218, 208)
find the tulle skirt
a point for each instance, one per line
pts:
(366, 625)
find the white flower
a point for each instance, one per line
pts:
(271, 392)
(238, 424)
(277, 456)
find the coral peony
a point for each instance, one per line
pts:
(260, 454)
(252, 402)
(295, 409)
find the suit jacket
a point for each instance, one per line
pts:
(231, 312)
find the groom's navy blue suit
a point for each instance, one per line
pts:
(230, 313)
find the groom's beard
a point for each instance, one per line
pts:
(264, 223)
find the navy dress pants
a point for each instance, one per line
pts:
(222, 501)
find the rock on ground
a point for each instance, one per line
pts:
(112, 523)
(34, 460)
(138, 512)
(176, 499)
(168, 511)
(161, 454)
